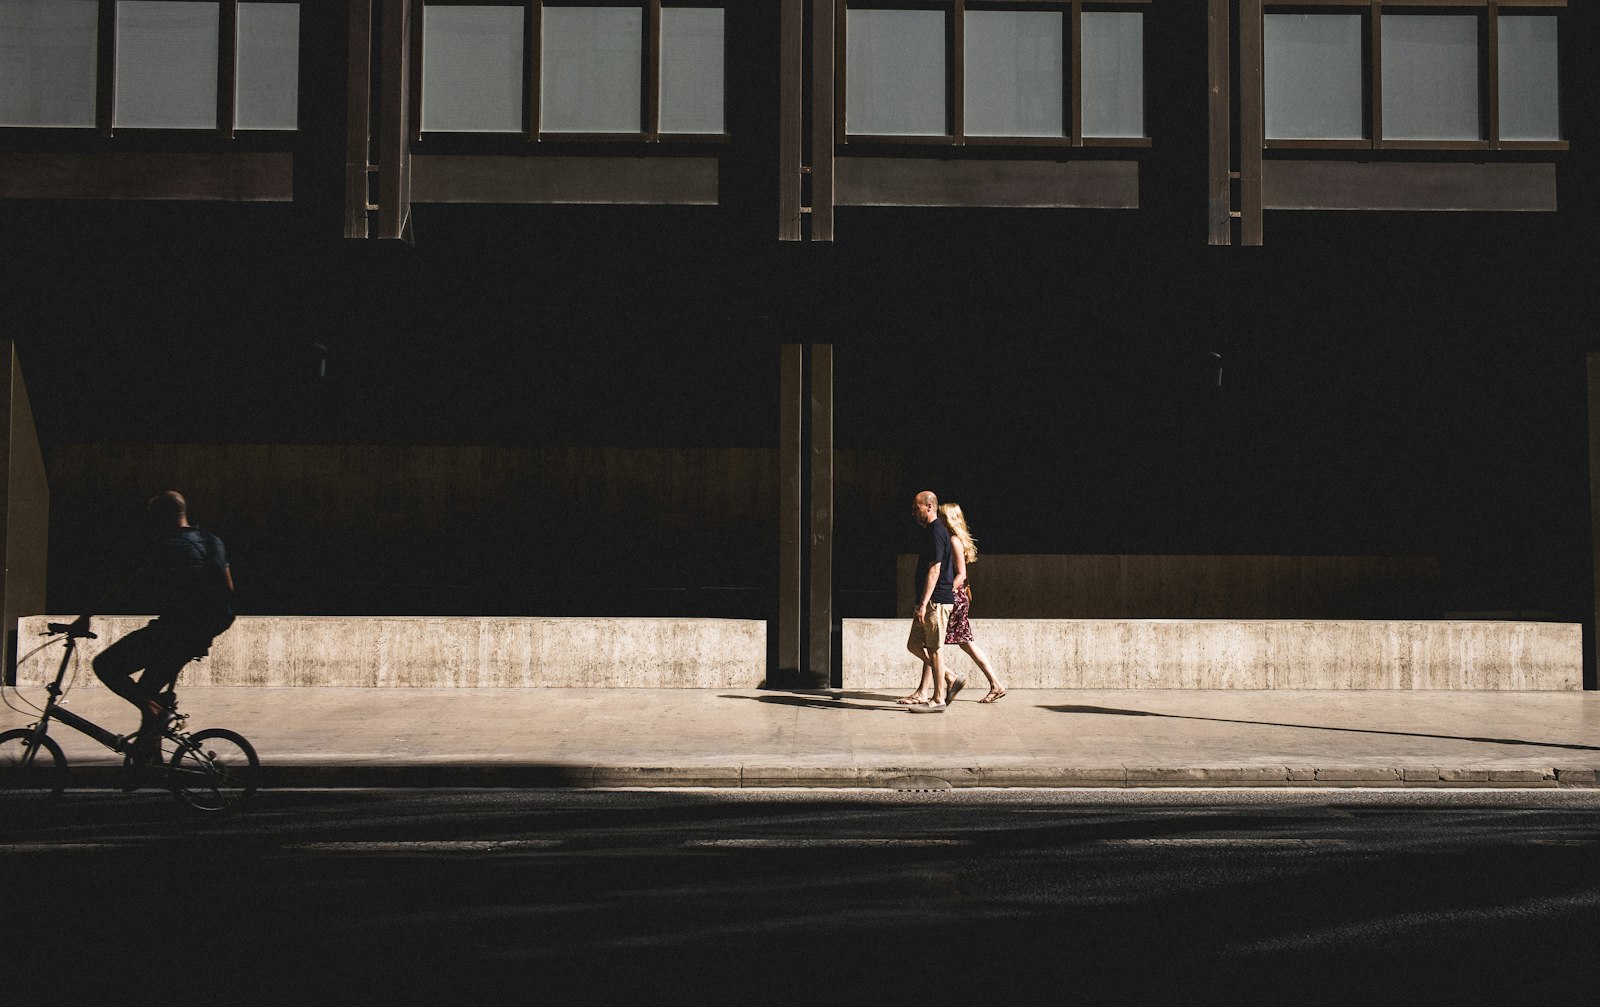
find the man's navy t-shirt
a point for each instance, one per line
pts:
(186, 567)
(935, 549)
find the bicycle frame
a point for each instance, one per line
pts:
(54, 711)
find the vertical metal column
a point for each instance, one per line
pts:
(825, 28)
(819, 657)
(1252, 122)
(1221, 114)
(1594, 501)
(394, 125)
(791, 118)
(358, 121)
(790, 464)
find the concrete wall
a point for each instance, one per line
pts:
(1012, 586)
(1237, 654)
(367, 529)
(463, 652)
(24, 504)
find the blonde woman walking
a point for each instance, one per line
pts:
(965, 551)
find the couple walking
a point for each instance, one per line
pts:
(944, 601)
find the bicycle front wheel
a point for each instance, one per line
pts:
(29, 772)
(213, 770)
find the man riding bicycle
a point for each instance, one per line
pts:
(191, 586)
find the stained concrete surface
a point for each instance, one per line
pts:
(743, 737)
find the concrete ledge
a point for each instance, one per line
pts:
(449, 652)
(1241, 654)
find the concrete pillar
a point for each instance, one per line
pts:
(25, 511)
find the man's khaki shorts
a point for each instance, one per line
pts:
(929, 633)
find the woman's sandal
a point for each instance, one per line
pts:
(915, 699)
(994, 696)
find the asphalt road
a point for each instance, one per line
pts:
(807, 896)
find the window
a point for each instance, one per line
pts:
(1113, 73)
(895, 65)
(170, 64)
(167, 64)
(1012, 84)
(1462, 75)
(1430, 77)
(472, 69)
(1530, 107)
(1313, 76)
(267, 85)
(603, 70)
(47, 62)
(1000, 72)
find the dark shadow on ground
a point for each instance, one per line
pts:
(821, 702)
(1316, 727)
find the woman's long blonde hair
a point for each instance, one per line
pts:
(957, 523)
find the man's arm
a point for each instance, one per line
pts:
(927, 589)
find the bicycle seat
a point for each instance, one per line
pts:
(71, 629)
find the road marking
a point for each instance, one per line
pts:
(1217, 842)
(796, 844)
(427, 846)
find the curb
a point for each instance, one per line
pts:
(914, 777)
(469, 774)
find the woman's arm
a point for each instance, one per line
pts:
(959, 554)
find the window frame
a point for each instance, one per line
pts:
(1488, 13)
(532, 58)
(955, 78)
(105, 84)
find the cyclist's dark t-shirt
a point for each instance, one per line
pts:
(186, 568)
(935, 549)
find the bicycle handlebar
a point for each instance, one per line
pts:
(69, 628)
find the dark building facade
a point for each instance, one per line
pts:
(439, 307)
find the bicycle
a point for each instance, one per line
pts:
(210, 770)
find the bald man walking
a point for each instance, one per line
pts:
(935, 593)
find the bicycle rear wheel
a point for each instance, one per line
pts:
(212, 770)
(30, 773)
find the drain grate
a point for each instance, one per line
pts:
(917, 784)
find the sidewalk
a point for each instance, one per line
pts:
(751, 738)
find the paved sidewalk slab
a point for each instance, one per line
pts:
(753, 738)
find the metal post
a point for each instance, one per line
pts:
(1252, 122)
(790, 119)
(819, 664)
(790, 464)
(1594, 508)
(1221, 115)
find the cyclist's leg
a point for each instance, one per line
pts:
(117, 664)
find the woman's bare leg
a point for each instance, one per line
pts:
(982, 660)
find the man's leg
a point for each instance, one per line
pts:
(116, 665)
(915, 644)
(935, 627)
